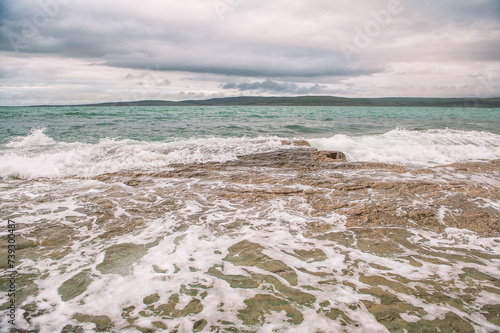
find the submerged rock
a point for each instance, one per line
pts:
(119, 258)
(246, 253)
(102, 323)
(75, 286)
(260, 305)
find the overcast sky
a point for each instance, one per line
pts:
(85, 51)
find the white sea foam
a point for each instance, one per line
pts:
(415, 148)
(36, 138)
(186, 241)
(38, 155)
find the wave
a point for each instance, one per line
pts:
(36, 138)
(417, 149)
(39, 156)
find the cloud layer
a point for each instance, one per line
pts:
(62, 51)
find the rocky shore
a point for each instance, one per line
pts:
(290, 239)
(459, 195)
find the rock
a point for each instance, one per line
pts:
(235, 281)
(151, 299)
(332, 155)
(199, 325)
(119, 258)
(298, 143)
(75, 286)
(368, 215)
(102, 323)
(246, 253)
(170, 309)
(492, 313)
(260, 305)
(72, 329)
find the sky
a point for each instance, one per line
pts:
(88, 51)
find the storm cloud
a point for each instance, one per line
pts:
(77, 52)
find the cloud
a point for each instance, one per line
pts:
(257, 46)
(273, 87)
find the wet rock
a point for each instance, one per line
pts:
(32, 311)
(310, 255)
(381, 247)
(396, 202)
(451, 323)
(119, 258)
(294, 295)
(25, 286)
(118, 226)
(75, 286)
(246, 253)
(381, 205)
(151, 299)
(299, 143)
(22, 242)
(169, 309)
(389, 311)
(490, 166)
(255, 280)
(72, 329)
(102, 323)
(199, 325)
(335, 314)
(235, 281)
(133, 182)
(160, 325)
(56, 236)
(260, 305)
(492, 313)
(332, 156)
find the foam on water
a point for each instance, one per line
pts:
(36, 138)
(188, 233)
(415, 148)
(39, 156)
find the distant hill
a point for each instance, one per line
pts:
(317, 101)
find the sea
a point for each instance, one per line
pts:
(140, 219)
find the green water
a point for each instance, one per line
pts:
(89, 124)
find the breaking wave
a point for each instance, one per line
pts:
(39, 156)
(415, 148)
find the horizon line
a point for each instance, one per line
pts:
(194, 102)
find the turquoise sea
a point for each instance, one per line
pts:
(33, 139)
(90, 124)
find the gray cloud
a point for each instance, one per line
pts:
(282, 46)
(211, 46)
(274, 87)
(138, 43)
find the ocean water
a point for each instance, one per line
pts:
(62, 141)
(141, 219)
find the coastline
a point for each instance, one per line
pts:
(387, 183)
(472, 102)
(290, 239)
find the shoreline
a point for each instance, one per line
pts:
(290, 239)
(387, 183)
